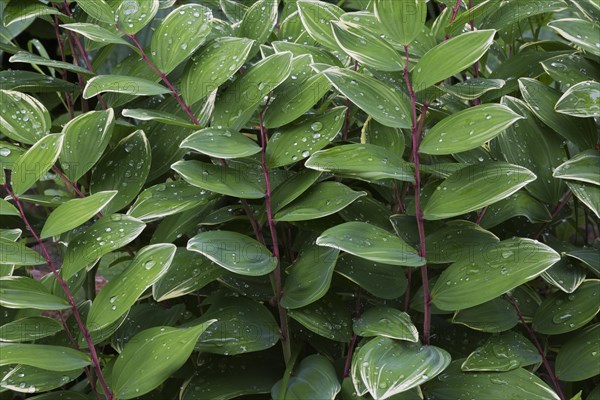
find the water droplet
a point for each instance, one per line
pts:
(149, 264)
(316, 126)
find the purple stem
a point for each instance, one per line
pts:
(480, 215)
(539, 348)
(352, 344)
(285, 340)
(416, 139)
(453, 16)
(565, 199)
(65, 288)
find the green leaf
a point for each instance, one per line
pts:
(95, 33)
(581, 100)
(505, 352)
(18, 253)
(24, 10)
(565, 312)
(577, 359)
(220, 143)
(569, 69)
(235, 252)
(457, 240)
(542, 99)
(451, 57)
(366, 47)
(494, 316)
(51, 358)
(588, 194)
(491, 271)
(304, 137)
(519, 204)
(328, 317)
(23, 118)
(168, 198)
(29, 329)
(314, 378)
(122, 84)
(364, 161)
(86, 138)
(468, 129)
(29, 58)
(212, 66)
(124, 169)
(27, 379)
(475, 187)
(472, 89)
(370, 242)
(387, 367)
(75, 212)
(151, 357)
(179, 35)
(453, 384)
(105, 235)
(22, 292)
(243, 326)
(34, 164)
(583, 167)
(132, 15)
(316, 17)
(237, 103)
(582, 33)
(402, 20)
(386, 321)
(98, 9)
(309, 277)
(231, 180)
(189, 272)
(589, 256)
(159, 116)
(384, 104)
(317, 202)
(381, 280)
(258, 21)
(120, 293)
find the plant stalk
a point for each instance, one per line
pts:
(71, 300)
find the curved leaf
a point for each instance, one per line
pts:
(577, 359)
(220, 143)
(581, 100)
(386, 321)
(43, 356)
(314, 378)
(22, 117)
(34, 164)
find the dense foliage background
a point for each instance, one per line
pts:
(390, 199)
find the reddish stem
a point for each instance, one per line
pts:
(453, 16)
(277, 272)
(352, 344)
(63, 57)
(416, 139)
(66, 180)
(539, 348)
(65, 288)
(162, 76)
(565, 199)
(480, 215)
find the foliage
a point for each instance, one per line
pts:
(300, 199)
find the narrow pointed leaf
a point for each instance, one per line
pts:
(86, 138)
(117, 297)
(220, 143)
(328, 317)
(468, 129)
(151, 357)
(457, 240)
(583, 167)
(43, 356)
(387, 367)
(95, 33)
(314, 378)
(105, 235)
(235, 252)
(502, 353)
(23, 292)
(577, 359)
(18, 254)
(370, 242)
(309, 277)
(98, 9)
(472, 89)
(496, 315)
(386, 321)
(132, 16)
(316, 17)
(29, 329)
(402, 20)
(451, 57)
(381, 280)
(581, 100)
(588, 194)
(29, 58)
(23, 118)
(159, 116)
(230, 180)
(258, 21)
(581, 32)
(34, 164)
(213, 65)
(492, 271)
(365, 161)
(385, 105)
(475, 187)
(75, 212)
(122, 84)
(179, 35)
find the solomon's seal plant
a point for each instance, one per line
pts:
(299, 199)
